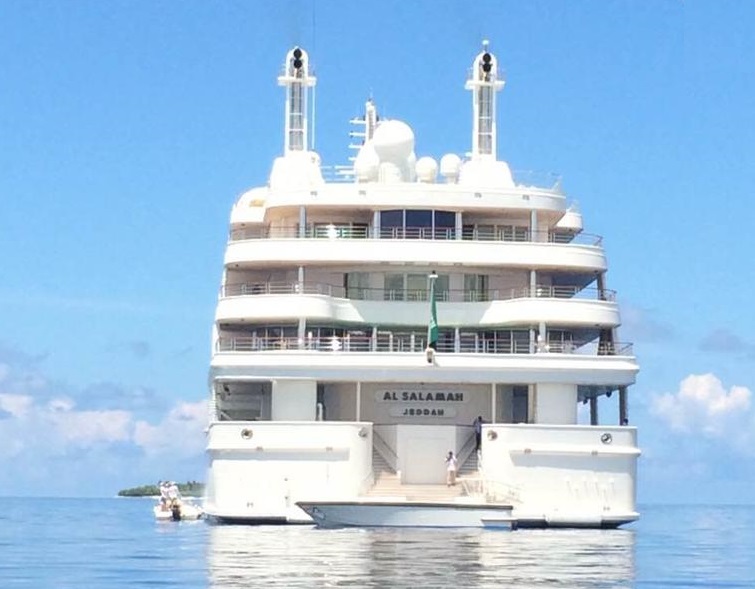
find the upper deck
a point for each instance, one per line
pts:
(353, 247)
(265, 203)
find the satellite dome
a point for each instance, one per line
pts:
(571, 221)
(489, 173)
(393, 141)
(450, 165)
(367, 163)
(427, 169)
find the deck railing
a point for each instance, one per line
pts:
(381, 294)
(348, 231)
(410, 343)
(532, 179)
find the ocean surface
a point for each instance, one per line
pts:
(93, 543)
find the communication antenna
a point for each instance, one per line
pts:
(312, 137)
(484, 83)
(296, 80)
(314, 88)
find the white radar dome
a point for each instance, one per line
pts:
(427, 169)
(450, 166)
(367, 163)
(479, 172)
(571, 221)
(393, 141)
(297, 170)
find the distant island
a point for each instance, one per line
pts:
(188, 489)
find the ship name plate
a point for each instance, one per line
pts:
(404, 396)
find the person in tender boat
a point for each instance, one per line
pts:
(174, 495)
(164, 499)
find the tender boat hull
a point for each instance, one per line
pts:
(187, 512)
(336, 514)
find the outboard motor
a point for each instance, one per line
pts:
(175, 509)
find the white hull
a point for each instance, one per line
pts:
(553, 476)
(589, 520)
(407, 514)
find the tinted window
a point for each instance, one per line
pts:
(392, 219)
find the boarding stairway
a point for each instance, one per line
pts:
(388, 485)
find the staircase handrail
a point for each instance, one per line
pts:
(492, 491)
(467, 448)
(385, 450)
(367, 483)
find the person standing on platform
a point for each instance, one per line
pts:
(451, 466)
(478, 433)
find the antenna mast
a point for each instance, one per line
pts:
(484, 83)
(296, 80)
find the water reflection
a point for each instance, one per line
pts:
(271, 557)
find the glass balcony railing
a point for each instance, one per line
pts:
(414, 295)
(487, 234)
(386, 342)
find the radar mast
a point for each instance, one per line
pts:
(296, 79)
(484, 82)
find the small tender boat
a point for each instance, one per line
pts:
(405, 514)
(173, 507)
(177, 511)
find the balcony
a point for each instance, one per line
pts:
(389, 342)
(489, 233)
(378, 294)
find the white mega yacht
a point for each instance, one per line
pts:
(370, 313)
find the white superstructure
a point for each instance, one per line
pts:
(323, 386)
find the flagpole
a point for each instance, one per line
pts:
(432, 326)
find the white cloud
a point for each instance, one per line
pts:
(179, 433)
(59, 440)
(68, 428)
(16, 405)
(703, 405)
(60, 405)
(86, 428)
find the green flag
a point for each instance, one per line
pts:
(432, 328)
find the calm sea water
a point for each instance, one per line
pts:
(112, 543)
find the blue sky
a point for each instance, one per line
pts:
(127, 129)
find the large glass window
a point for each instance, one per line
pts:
(392, 224)
(267, 337)
(560, 341)
(475, 287)
(336, 230)
(357, 285)
(445, 225)
(247, 401)
(394, 287)
(441, 287)
(414, 287)
(417, 224)
(503, 342)
(480, 232)
(512, 233)
(520, 403)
